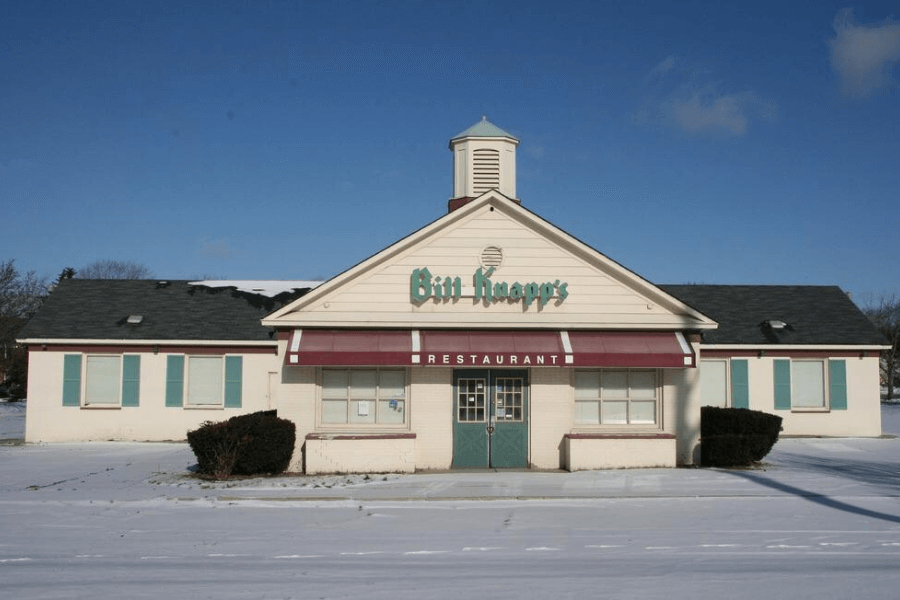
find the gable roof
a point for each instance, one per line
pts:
(815, 315)
(376, 291)
(98, 309)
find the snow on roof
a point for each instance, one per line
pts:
(263, 287)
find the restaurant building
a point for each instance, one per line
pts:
(489, 338)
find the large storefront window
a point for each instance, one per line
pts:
(363, 396)
(616, 397)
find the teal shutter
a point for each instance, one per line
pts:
(740, 384)
(72, 380)
(233, 384)
(782, 369)
(174, 380)
(837, 378)
(131, 380)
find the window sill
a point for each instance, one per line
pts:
(101, 406)
(617, 430)
(810, 410)
(204, 407)
(360, 436)
(359, 428)
(621, 435)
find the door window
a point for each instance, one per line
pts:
(508, 399)
(471, 400)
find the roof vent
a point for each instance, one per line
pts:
(776, 325)
(134, 319)
(491, 256)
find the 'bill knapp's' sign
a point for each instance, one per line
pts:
(422, 286)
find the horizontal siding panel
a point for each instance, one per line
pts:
(468, 306)
(510, 269)
(463, 263)
(513, 320)
(581, 276)
(482, 225)
(399, 284)
(477, 243)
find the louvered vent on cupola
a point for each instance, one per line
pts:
(485, 170)
(484, 159)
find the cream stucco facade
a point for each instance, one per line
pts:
(600, 295)
(48, 420)
(860, 418)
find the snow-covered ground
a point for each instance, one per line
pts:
(12, 420)
(125, 520)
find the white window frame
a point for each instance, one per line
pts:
(85, 402)
(727, 363)
(375, 405)
(826, 386)
(657, 425)
(189, 358)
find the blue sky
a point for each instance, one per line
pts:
(690, 142)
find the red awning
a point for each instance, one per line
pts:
(349, 347)
(492, 349)
(630, 349)
(483, 349)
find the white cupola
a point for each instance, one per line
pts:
(484, 159)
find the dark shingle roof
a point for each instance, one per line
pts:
(99, 309)
(816, 315)
(173, 310)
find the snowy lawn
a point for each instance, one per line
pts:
(123, 520)
(12, 420)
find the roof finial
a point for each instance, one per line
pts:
(483, 118)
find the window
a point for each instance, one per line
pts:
(725, 382)
(471, 400)
(810, 384)
(102, 380)
(616, 397)
(204, 381)
(97, 380)
(363, 397)
(714, 383)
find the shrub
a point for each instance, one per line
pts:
(253, 444)
(736, 436)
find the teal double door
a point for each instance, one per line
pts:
(490, 419)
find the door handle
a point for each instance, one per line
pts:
(490, 429)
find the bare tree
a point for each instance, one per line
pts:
(114, 269)
(20, 297)
(884, 311)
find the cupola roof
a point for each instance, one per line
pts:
(483, 128)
